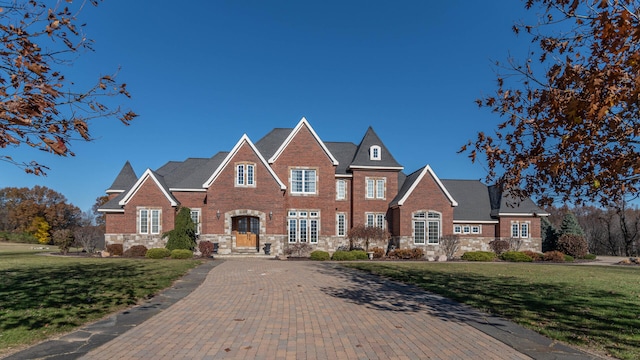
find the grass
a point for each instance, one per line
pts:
(593, 307)
(42, 296)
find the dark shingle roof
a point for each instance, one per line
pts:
(125, 179)
(271, 142)
(406, 185)
(362, 157)
(113, 204)
(344, 153)
(472, 197)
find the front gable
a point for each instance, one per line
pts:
(419, 182)
(151, 187)
(302, 140)
(243, 148)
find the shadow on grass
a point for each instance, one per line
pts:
(63, 295)
(601, 319)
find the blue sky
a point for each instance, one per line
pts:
(204, 73)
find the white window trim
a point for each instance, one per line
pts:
(373, 190)
(304, 171)
(519, 226)
(341, 189)
(375, 218)
(199, 222)
(424, 216)
(309, 218)
(344, 225)
(375, 152)
(244, 180)
(149, 221)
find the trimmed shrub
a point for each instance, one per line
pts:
(590, 257)
(341, 255)
(499, 246)
(181, 254)
(574, 245)
(320, 255)
(158, 253)
(359, 254)
(206, 248)
(115, 249)
(378, 252)
(406, 254)
(515, 256)
(568, 258)
(535, 256)
(136, 251)
(479, 256)
(555, 256)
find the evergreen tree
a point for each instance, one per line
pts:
(549, 235)
(183, 235)
(570, 225)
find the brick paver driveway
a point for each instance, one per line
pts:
(268, 309)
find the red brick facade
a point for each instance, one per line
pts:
(269, 199)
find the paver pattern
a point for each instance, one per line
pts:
(268, 309)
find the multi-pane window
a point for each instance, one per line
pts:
(304, 226)
(245, 175)
(303, 181)
(426, 227)
(341, 189)
(375, 219)
(149, 221)
(374, 153)
(519, 229)
(195, 217)
(341, 224)
(376, 188)
(466, 229)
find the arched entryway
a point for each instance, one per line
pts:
(246, 230)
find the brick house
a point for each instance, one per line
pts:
(292, 187)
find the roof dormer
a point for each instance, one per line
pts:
(375, 153)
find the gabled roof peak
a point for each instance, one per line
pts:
(302, 123)
(372, 153)
(159, 181)
(125, 179)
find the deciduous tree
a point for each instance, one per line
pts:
(571, 110)
(366, 234)
(40, 106)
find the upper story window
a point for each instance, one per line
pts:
(341, 189)
(376, 188)
(245, 175)
(375, 153)
(149, 221)
(303, 181)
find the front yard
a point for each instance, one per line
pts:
(593, 307)
(42, 296)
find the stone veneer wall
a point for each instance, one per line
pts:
(129, 240)
(466, 244)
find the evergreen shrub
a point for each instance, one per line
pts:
(341, 255)
(515, 256)
(320, 255)
(158, 253)
(479, 256)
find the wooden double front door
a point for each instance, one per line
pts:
(246, 230)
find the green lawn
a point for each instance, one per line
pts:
(41, 296)
(594, 307)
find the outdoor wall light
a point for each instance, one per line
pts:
(270, 215)
(218, 214)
